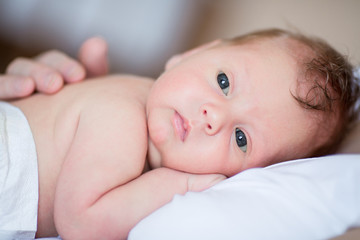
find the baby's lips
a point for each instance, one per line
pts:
(181, 126)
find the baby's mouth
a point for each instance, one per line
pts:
(181, 126)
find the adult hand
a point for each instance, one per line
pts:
(48, 72)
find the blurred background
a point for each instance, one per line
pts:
(143, 34)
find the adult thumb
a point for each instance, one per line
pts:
(93, 54)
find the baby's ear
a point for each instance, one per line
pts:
(174, 60)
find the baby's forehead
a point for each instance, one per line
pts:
(267, 47)
(293, 47)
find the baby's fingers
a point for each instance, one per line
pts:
(201, 182)
(46, 79)
(15, 86)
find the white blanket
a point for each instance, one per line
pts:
(18, 176)
(302, 199)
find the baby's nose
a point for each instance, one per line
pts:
(214, 118)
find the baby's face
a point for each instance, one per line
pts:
(227, 109)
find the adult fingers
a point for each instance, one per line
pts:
(15, 86)
(93, 54)
(69, 69)
(46, 79)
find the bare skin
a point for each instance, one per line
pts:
(62, 113)
(92, 157)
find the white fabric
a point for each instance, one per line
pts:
(302, 199)
(18, 176)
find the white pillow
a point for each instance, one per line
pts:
(314, 198)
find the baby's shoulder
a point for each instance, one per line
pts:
(117, 83)
(122, 92)
(114, 89)
(114, 109)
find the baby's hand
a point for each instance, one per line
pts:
(200, 182)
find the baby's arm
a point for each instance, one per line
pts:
(100, 193)
(118, 211)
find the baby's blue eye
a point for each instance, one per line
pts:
(241, 139)
(223, 82)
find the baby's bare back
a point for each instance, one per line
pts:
(55, 121)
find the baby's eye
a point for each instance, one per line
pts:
(241, 139)
(223, 82)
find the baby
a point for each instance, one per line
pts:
(112, 150)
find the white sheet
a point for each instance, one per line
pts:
(302, 199)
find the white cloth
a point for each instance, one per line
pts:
(18, 176)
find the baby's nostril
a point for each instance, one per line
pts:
(209, 126)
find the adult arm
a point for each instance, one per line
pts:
(49, 71)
